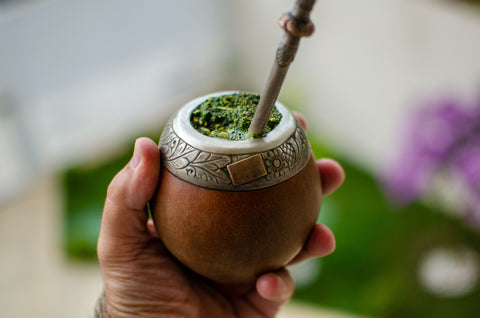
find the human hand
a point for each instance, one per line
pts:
(143, 280)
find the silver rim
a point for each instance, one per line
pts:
(219, 164)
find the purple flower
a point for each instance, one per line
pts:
(407, 178)
(466, 162)
(466, 165)
(438, 127)
(442, 135)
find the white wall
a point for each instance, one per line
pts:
(80, 77)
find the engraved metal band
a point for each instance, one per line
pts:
(227, 171)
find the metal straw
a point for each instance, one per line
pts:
(296, 24)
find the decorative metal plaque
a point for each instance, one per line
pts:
(222, 171)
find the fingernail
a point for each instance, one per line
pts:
(281, 288)
(136, 157)
(284, 290)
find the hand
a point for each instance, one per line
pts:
(143, 280)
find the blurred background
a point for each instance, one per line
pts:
(391, 89)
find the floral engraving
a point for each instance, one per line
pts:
(210, 169)
(284, 159)
(276, 163)
(184, 160)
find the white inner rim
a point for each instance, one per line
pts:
(184, 129)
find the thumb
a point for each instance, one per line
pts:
(124, 220)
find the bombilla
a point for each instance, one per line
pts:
(296, 25)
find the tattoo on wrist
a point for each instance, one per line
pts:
(100, 307)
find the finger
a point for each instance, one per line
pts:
(276, 287)
(301, 119)
(272, 291)
(124, 216)
(331, 174)
(320, 243)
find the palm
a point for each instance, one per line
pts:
(173, 289)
